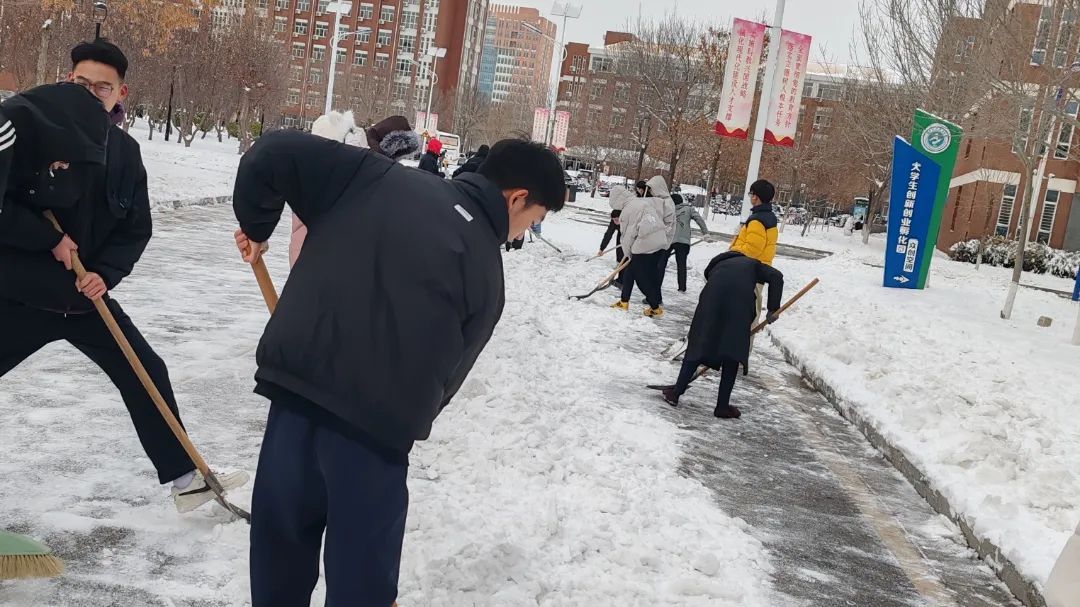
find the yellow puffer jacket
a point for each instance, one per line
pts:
(758, 235)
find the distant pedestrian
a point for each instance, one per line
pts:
(684, 214)
(648, 227)
(473, 164)
(720, 332)
(430, 160)
(640, 187)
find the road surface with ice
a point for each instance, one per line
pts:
(554, 478)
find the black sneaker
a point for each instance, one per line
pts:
(670, 397)
(727, 412)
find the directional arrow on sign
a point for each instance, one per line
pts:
(902, 279)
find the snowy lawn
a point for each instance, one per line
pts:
(987, 408)
(179, 174)
(545, 482)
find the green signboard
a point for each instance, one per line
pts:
(940, 140)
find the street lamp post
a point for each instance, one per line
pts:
(566, 11)
(339, 9)
(435, 53)
(549, 131)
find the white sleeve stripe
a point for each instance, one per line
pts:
(6, 126)
(8, 136)
(4, 146)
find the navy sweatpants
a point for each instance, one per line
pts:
(313, 477)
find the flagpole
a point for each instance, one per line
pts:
(771, 64)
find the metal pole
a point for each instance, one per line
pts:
(333, 61)
(550, 139)
(763, 106)
(430, 95)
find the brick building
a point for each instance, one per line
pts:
(383, 67)
(516, 62)
(989, 180)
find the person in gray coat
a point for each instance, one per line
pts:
(684, 214)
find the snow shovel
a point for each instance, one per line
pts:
(618, 246)
(605, 283)
(757, 329)
(178, 431)
(546, 241)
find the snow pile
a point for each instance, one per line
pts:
(999, 251)
(986, 408)
(180, 175)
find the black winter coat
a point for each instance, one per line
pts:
(430, 162)
(101, 202)
(721, 328)
(376, 330)
(471, 165)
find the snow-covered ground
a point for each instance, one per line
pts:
(178, 174)
(986, 408)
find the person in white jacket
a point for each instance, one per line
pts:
(648, 229)
(1063, 587)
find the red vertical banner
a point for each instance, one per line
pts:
(562, 129)
(540, 124)
(783, 118)
(740, 79)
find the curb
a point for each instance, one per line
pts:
(1022, 588)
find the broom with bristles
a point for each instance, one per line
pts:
(23, 558)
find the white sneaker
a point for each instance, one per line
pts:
(198, 492)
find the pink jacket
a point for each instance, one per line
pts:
(296, 240)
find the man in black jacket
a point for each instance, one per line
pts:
(371, 339)
(67, 158)
(473, 164)
(430, 160)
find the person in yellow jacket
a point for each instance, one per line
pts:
(758, 234)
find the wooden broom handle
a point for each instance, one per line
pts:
(783, 308)
(137, 366)
(266, 284)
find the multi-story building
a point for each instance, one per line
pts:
(990, 180)
(383, 65)
(516, 61)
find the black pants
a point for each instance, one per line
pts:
(644, 270)
(729, 372)
(311, 478)
(682, 252)
(25, 330)
(516, 244)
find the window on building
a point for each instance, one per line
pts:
(299, 51)
(1042, 37)
(1065, 135)
(296, 73)
(964, 49)
(1023, 126)
(280, 24)
(315, 76)
(318, 53)
(303, 6)
(596, 91)
(409, 20)
(321, 29)
(1046, 223)
(366, 11)
(299, 28)
(387, 14)
(403, 67)
(291, 122)
(819, 139)
(808, 90)
(341, 57)
(263, 4)
(431, 18)
(830, 92)
(313, 99)
(622, 92)
(308, 124)
(400, 91)
(617, 119)
(363, 36)
(578, 64)
(822, 118)
(283, 5)
(407, 44)
(603, 64)
(595, 116)
(322, 6)
(384, 38)
(1064, 41)
(382, 61)
(293, 98)
(360, 58)
(1008, 199)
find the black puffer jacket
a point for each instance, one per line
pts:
(376, 330)
(101, 200)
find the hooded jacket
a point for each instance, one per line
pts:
(648, 224)
(757, 237)
(472, 165)
(372, 329)
(684, 214)
(100, 201)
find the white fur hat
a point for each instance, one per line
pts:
(335, 125)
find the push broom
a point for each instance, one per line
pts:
(22, 558)
(159, 401)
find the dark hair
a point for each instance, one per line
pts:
(763, 190)
(101, 51)
(677, 198)
(516, 163)
(483, 151)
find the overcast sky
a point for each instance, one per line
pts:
(830, 22)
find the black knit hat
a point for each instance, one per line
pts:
(641, 185)
(763, 190)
